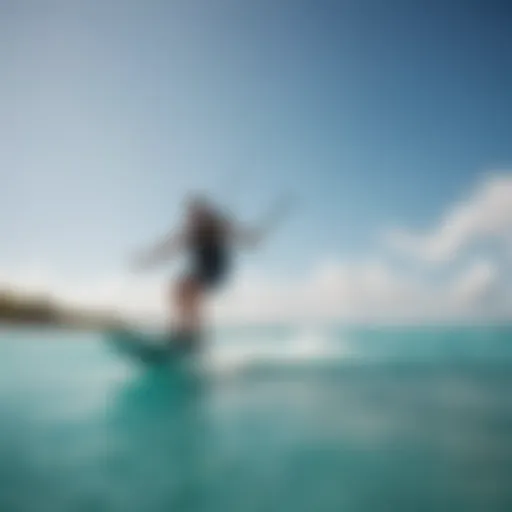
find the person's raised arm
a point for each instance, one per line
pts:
(251, 236)
(245, 236)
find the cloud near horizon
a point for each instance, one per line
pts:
(367, 290)
(485, 215)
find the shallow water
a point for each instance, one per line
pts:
(329, 420)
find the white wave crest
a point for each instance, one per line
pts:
(307, 348)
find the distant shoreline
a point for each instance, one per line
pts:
(17, 309)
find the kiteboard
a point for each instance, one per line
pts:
(153, 348)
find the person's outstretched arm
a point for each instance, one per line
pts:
(246, 236)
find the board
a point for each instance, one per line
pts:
(152, 349)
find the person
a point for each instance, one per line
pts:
(208, 237)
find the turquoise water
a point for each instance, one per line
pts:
(272, 419)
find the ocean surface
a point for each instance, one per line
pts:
(269, 419)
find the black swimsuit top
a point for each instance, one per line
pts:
(208, 242)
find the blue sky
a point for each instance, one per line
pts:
(374, 114)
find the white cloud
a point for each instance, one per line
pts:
(476, 283)
(487, 212)
(368, 291)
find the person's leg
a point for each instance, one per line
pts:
(189, 295)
